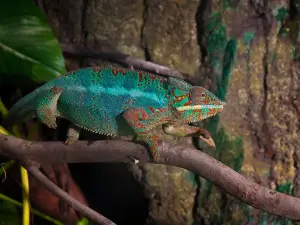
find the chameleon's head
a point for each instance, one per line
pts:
(199, 104)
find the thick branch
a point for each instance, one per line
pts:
(122, 59)
(190, 159)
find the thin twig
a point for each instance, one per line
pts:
(4, 172)
(191, 159)
(122, 59)
(54, 189)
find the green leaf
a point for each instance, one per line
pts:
(9, 213)
(27, 44)
(84, 221)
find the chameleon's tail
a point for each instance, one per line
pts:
(24, 109)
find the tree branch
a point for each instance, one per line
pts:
(122, 59)
(188, 158)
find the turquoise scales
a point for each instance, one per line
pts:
(115, 101)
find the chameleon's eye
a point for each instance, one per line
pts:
(197, 95)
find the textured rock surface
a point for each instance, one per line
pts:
(170, 35)
(202, 38)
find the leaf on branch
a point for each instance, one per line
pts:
(27, 44)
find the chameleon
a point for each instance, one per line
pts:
(119, 102)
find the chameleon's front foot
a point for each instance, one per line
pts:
(46, 107)
(189, 131)
(72, 134)
(142, 123)
(152, 143)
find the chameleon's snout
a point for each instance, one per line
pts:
(222, 103)
(219, 106)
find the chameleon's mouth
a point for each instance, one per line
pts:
(220, 106)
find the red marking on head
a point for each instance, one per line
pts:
(188, 103)
(212, 112)
(180, 98)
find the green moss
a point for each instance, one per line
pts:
(248, 210)
(230, 150)
(248, 36)
(230, 4)
(285, 188)
(191, 177)
(226, 4)
(263, 218)
(295, 53)
(221, 57)
(228, 62)
(217, 41)
(281, 14)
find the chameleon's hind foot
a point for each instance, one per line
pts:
(72, 134)
(46, 108)
(46, 116)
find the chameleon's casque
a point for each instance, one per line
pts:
(115, 101)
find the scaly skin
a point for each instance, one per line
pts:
(115, 101)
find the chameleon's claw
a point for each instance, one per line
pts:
(209, 141)
(136, 161)
(69, 141)
(205, 136)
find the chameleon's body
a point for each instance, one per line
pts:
(118, 102)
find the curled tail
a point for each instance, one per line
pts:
(25, 108)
